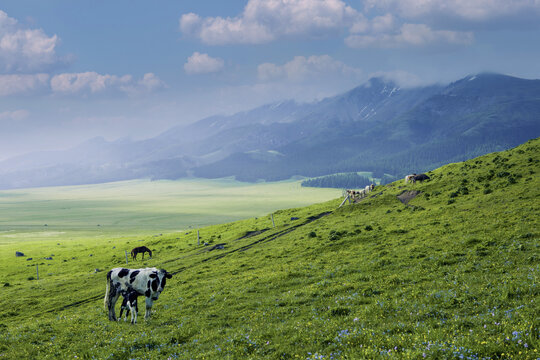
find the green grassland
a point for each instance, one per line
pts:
(142, 206)
(451, 274)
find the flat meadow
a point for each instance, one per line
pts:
(143, 206)
(452, 273)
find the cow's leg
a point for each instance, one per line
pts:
(149, 303)
(124, 307)
(127, 312)
(127, 308)
(121, 311)
(115, 293)
(133, 309)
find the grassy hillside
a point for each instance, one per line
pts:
(451, 274)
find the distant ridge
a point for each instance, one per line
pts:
(377, 127)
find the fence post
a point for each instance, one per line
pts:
(273, 220)
(347, 198)
(37, 271)
(126, 257)
(198, 239)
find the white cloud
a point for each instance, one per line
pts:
(77, 82)
(302, 68)
(6, 23)
(409, 35)
(190, 24)
(379, 24)
(21, 84)
(74, 83)
(477, 10)
(16, 115)
(147, 84)
(25, 49)
(202, 63)
(383, 23)
(151, 82)
(266, 20)
(220, 31)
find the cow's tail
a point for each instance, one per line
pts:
(107, 291)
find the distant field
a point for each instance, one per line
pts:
(143, 207)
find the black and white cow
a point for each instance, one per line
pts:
(148, 282)
(129, 305)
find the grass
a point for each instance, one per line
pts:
(452, 274)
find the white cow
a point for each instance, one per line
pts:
(409, 178)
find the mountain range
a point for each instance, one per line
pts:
(377, 127)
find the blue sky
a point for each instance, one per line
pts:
(71, 70)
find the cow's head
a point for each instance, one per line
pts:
(158, 281)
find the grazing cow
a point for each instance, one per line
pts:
(359, 194)
(409, 178)
(129, 304)
(420, 177)
(140, 249)
(148, 282)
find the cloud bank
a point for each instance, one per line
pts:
(92, 82)
(381, 23)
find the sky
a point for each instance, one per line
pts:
(71, 70)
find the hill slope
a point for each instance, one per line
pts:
(451, 274)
